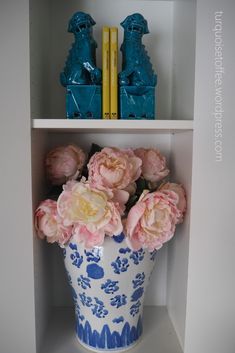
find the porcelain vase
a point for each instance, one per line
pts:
(108, 285)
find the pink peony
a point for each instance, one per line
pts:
(114, 168)
(64, 163)
(91, 212)
(179, 190)
(153, 164)
(48, 223)
(151, 222)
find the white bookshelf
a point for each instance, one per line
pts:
(192, 289)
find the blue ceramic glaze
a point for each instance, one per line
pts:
(137, 79)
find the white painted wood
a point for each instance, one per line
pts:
(41, 251)
(40, 85)
(17, 311)
(168, 126)
(48, 99)
(159, 335)
(184, 36)
(210, 318)
(209, 283)
(177, 269)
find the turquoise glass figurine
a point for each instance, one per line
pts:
(137, 79)
(81, 77)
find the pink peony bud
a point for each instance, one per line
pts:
(64, 163)
(179, 190)
(153, 164)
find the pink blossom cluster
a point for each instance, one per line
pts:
(90, 209)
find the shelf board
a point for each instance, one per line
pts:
(159, 335)
(119, 126)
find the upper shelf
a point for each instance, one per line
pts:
(118, 126)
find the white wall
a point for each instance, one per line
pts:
(17, 315)
(210, 321)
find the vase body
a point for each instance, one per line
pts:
(108, 285)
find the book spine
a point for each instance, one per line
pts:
(113, 73)
(105, 73)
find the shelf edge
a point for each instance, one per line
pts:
(113, 125)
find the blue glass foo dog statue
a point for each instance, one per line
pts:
(137, 80)
(81, 77)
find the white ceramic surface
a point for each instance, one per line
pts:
(108, 286)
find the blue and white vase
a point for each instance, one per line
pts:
(108, 284)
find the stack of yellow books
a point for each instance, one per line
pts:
(109, 72)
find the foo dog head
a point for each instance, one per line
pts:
(135, 25)
(81, 23)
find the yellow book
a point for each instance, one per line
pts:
(105, 73)
(113, 73)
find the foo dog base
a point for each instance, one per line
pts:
(83, 102)
(108, 285)
(137, 102)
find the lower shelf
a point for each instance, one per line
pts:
(158, 337)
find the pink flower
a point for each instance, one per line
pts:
(64, 163)
(91, 212)
(114, 168)
(179, 190)
(153, 164)
(151, 222)
(48, 223)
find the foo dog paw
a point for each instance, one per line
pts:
(123, 80)
(96, 76)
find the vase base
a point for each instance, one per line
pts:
(121, 349)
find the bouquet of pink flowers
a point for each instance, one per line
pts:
(111, 191)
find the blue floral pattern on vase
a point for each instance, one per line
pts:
(139, 280)
(124, 250)
(117, 320)
(135, 308)
(94, 271)
(73, 292)
(137, 256)
(84, 282)
(93, 255)
(76, 258)
(86, 301)
(120, 265)
(118, 300)
(110, 286)
(137, 294)
(98, 309)
(78, 312)
(106, 339)
(119, 238)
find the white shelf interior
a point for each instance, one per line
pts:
(171, 46)
(168, 126)
(168, 286)
(159, 333)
